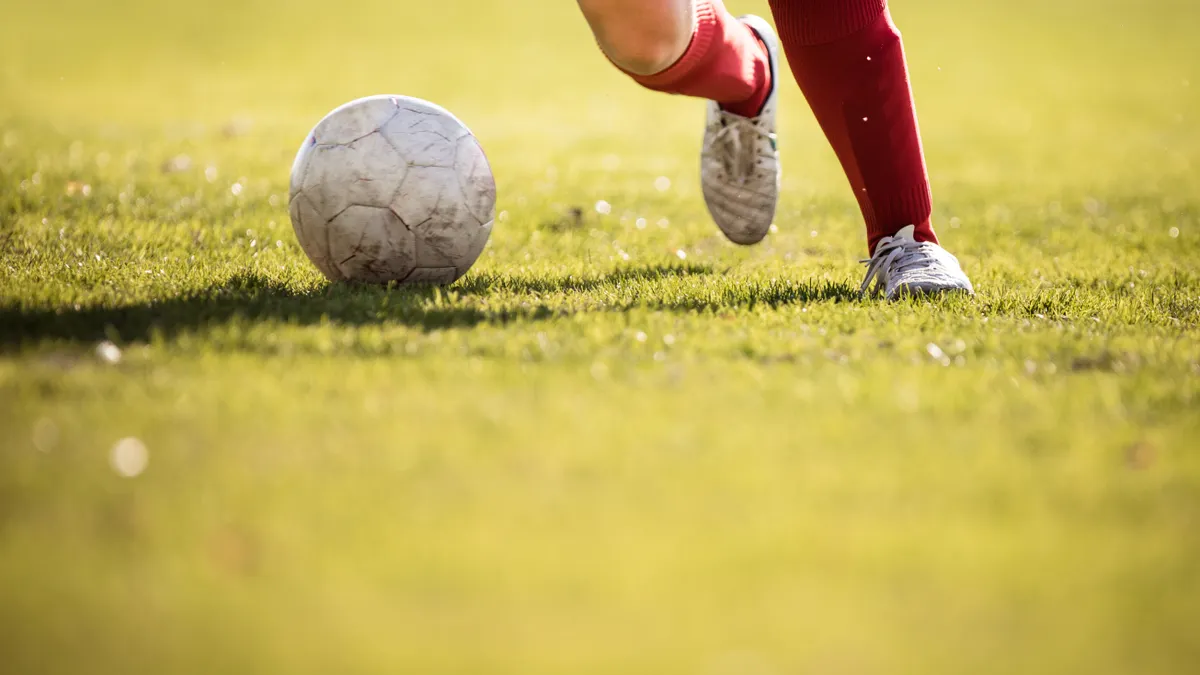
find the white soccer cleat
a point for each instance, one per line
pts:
(739, 165)
(903, 266)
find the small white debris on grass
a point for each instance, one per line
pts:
(640, 223)
(668, 340)
(662, 183)
(236, 189)
(603, 207)
(177, 164)
(640, 336)
(108, 353)
(210, 174)
(129, 457)
(1173, 233)
(936, 353)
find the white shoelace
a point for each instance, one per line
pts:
(894, 255)
(735, 144)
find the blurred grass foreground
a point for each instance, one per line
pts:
(620, 444)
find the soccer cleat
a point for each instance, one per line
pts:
(739, 165)
(903, 266)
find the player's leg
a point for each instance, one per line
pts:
(641, 37)
(689, 47)
(697, 48)
(848, 58)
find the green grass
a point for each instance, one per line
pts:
(591, 455)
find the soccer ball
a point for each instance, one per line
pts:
(392, 188)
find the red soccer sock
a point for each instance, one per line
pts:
(849, 61)
(725, 62)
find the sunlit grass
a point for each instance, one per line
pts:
(620, 444)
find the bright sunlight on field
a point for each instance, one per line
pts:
(620, 444)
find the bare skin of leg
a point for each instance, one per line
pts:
(642, 37)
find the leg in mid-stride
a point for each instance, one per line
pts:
(848, 58)
(697, 48)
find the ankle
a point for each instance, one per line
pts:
(753, 106)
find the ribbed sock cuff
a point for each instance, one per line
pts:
(887, 214)
(706, 13)
(815, 22)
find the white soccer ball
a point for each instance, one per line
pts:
(392, 188)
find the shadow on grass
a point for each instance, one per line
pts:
(250, 297)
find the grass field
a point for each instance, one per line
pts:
(620, 445)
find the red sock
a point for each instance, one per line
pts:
(848, 59)
(725, 62)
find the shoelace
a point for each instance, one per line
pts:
(738, 155)
(893, 255)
